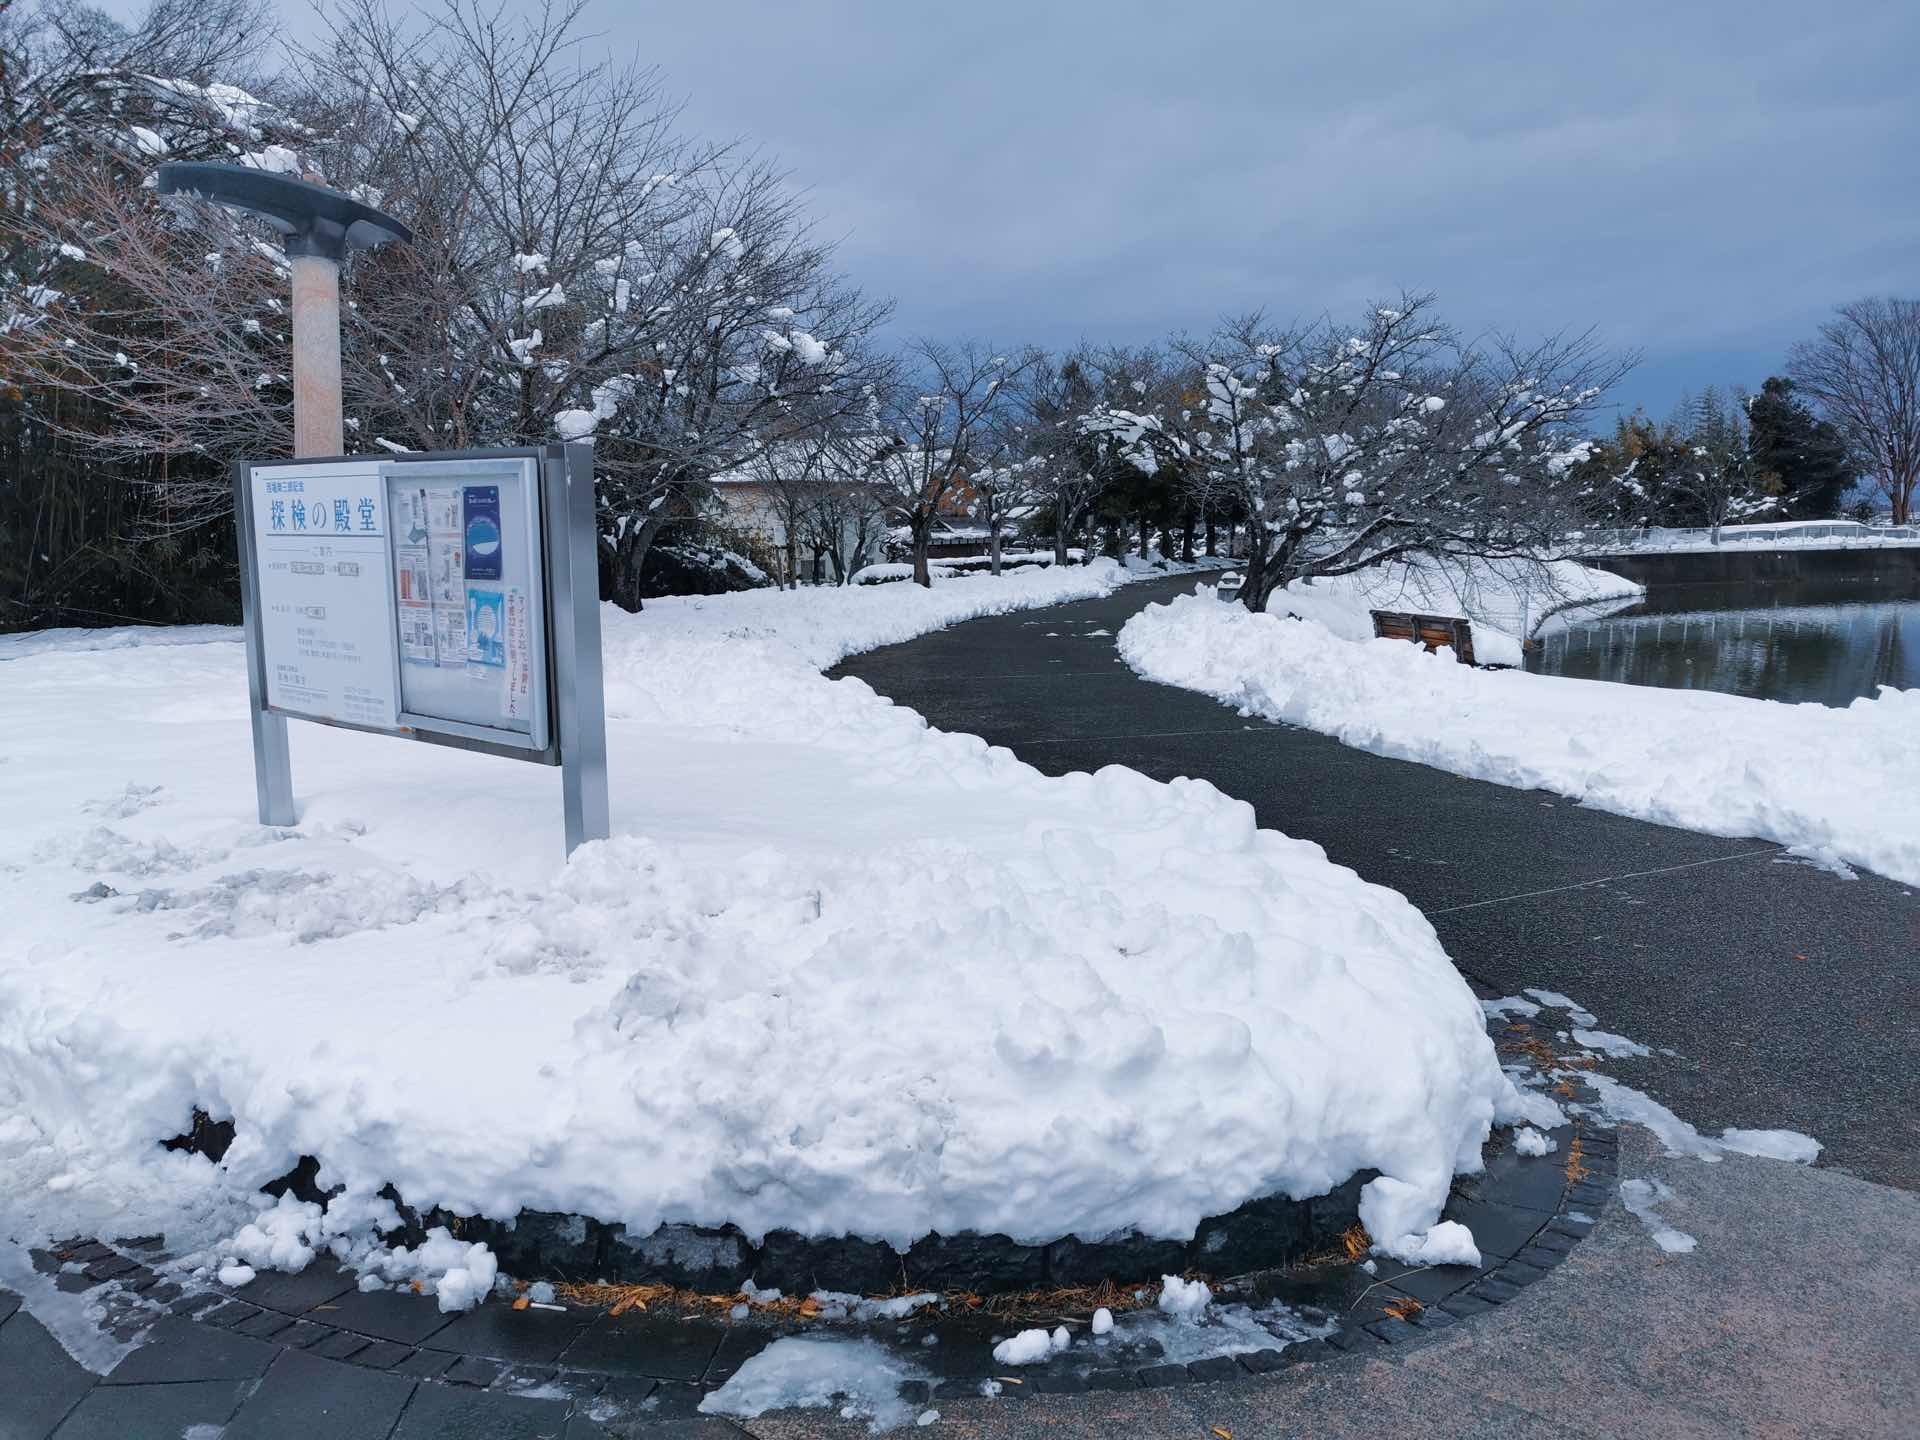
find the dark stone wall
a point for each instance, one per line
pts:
(1738, 565)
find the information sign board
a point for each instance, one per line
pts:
(450, 597)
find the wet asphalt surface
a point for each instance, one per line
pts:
(1775, 994)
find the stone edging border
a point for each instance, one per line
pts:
(1527, 1214)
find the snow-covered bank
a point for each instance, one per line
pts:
(1808, 776)
(1504, 599)
(780, 996)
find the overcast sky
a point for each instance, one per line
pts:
(1700, 181)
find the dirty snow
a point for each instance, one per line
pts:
(1183, 1297)
(858, 1378)
(1640, 1196)
(1802, 775)
(1212, 1330)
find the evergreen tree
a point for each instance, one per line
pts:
(1801, 453)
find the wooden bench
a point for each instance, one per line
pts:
(1432, 631)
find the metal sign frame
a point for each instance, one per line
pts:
(566, 568)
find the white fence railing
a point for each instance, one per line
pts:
(1792, 534)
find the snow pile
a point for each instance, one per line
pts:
(780, 996)
(1723, 764)
(288, 1234)
(1505, 600)
(858, 1378)
(1031, 1347)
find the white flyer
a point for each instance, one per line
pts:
(328, 628)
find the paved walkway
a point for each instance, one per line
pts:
(1794, 1317)
(1785, 993)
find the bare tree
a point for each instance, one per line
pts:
(1344, 447)
(787, 476)
(1864, 373)
(937, 416)
(847, 519)
(576, 270)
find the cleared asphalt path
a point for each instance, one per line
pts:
(1785, 994)
(1793, 1317)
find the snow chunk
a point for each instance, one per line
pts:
(234, 1276)
(530, 264)
(806, 349)
(1511, 1005)
(807, 1372)
(1772, 1145)
(1618, 1047)
(1447, 1243)
(575, 424)
(1031, 1347)
(1185, 1298)
(1554, 1000)
(276, 159)
(1529, 1141)
(1102, 1321)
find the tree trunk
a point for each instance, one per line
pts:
(1146, 537)
(993, 549)
(1186, 540)
(793, 561)
(1259, 571)
(1061, 524)
(1212, 547)
(922, 542)
(630, 559)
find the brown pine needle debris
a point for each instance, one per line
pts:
(1403, 1308)
(1576, 1162)
(1069, 1304)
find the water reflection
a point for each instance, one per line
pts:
(1825, 642)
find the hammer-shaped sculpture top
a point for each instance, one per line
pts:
(314, 220)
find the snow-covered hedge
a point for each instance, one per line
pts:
(1804, 775)
(782, 995)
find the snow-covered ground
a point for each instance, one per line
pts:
(1809, 776)
(1506, 600)
(784, 994)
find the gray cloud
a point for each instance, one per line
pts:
(1700, 182)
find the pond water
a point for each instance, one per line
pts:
(1826, 642)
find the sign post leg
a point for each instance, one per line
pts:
(272, 762)
(579, 692)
